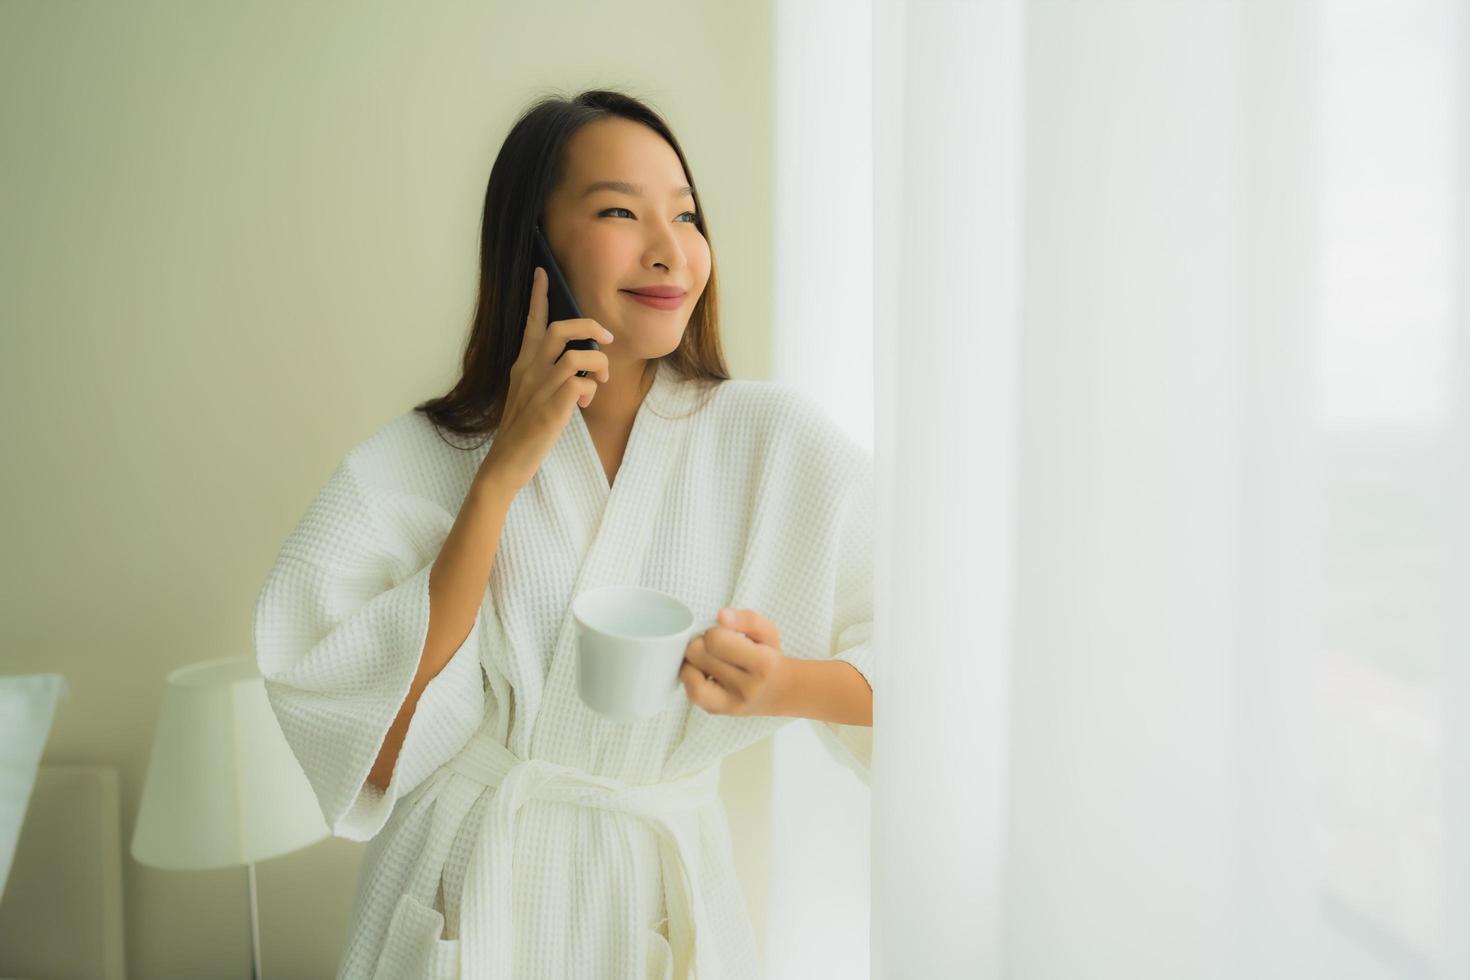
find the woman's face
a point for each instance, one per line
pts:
(610, 241)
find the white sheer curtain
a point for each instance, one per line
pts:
(817, 913)
(1172, 420)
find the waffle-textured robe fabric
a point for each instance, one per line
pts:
(745, 495)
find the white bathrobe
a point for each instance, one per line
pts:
(522, 835)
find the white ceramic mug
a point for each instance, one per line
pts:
(630, 646)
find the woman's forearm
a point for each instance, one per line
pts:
(827, 690)
(456, 588)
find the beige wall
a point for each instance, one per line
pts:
(236, 241)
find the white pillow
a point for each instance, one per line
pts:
(27, 705)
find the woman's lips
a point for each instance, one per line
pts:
(657, 302)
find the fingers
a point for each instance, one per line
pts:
(582, 390)
(705, 692)
(728, 666)
(565, 336)
(535, 331)
(752, 624)
(573, 360)
(548, 348)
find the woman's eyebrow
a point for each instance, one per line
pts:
(623, 187)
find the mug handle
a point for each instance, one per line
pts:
(679, 694)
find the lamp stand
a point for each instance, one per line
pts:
(254, 927)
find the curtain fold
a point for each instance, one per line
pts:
(819, 897)
(948, 141)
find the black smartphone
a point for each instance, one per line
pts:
(560, 304)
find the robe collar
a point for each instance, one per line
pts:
(584, 450)
(611, 526)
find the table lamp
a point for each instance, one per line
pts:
(223, 788)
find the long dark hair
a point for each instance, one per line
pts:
(527, 169)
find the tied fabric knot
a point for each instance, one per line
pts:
(486, 938)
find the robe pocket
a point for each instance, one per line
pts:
(415, 945)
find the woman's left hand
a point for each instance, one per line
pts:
(736, 668)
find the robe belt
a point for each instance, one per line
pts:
(486, 944)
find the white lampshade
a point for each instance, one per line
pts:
(223, 787)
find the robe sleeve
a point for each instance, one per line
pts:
(852, 614)
(339, 628)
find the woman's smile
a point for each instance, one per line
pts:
(657, 302)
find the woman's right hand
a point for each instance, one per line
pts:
(544, 388)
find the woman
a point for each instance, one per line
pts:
(415, 632)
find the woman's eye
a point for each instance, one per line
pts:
(691, 214)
